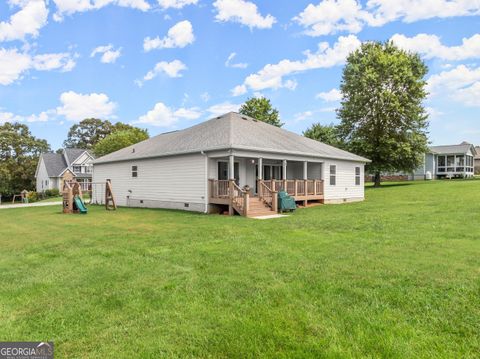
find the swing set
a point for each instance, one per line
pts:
(99, 193)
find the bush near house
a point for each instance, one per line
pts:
(52, 192)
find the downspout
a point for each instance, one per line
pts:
(206, 182)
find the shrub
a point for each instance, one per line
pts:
(32, 197)
(52, 192)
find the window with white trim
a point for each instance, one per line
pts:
(357, 176)
(134, 171)
(333, 175)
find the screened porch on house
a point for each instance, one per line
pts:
(455, 165)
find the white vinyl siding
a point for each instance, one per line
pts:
(169, 182)
(43, 182)
(345, 188)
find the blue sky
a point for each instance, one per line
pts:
(169, 64)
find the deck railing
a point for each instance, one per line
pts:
(229, 192)
(219, 188)
(232, 193)
(296, 187)
(267, 195)
(239, 198)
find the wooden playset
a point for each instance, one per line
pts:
(22, 196)
(73, 196)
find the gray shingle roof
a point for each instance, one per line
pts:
(461, 148)
(73, 153)
(230, 131)
(55, 163)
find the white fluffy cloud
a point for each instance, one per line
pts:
(59, 61)
(461, 84)
(301, 116)
(109, 53)
(69, 7)
(77, 106)
(179, 35)
(223, 108)
(272, 76)
(27, 21)
(331, 16)
(330, 96)
(10, 117)
(74, 107)
(14, 64)
(176, 4)
(430, 46)
(163, 116)
(171, 69)
(238, 65)
(243, 12)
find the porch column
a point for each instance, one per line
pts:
(260, 168)
(305, 183)
(231, 167)
(284, 174)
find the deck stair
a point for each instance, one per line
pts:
(258, 208)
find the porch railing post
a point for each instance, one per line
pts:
(305, 188)
(230, 196)
(296, 188)
(246, 202)
(274, 201)
(315, 187)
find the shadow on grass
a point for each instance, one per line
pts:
(370, 186)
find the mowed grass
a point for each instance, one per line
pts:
(396, 276)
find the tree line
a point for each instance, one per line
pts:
(381, 117)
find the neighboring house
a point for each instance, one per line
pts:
(477, 161)
(447, 162)
(54, 168)
(215, 164)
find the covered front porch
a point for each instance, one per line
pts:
(250, 185)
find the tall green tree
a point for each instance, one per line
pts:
(261, 109)
(118, 140)
(87, 133)
(19, 153)
(382, 115)
(328, 134)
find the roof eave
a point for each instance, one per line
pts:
(306, 154)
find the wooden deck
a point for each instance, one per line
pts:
(244, 202)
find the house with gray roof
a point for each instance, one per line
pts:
(449, 161)
(71, 163)
(232, 162)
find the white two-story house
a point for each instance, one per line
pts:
(55, 168)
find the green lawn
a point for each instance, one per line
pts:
(396, 276)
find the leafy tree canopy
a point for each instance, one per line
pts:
(328, 134)
(118, 140)
(382, 116)
(19, 153)
(87, 133)
(261, 109)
